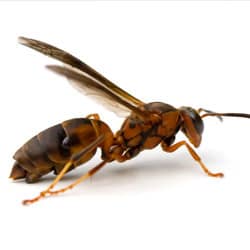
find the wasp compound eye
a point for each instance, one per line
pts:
(195, 118)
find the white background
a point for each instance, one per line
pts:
(182, 53)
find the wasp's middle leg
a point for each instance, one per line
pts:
(117, 153)
(121, 155)
(79, 180)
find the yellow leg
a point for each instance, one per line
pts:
(195, 156)
(51, 186)
(74, 159)
(81, 179)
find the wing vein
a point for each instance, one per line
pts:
(69, 59)
(82, 81)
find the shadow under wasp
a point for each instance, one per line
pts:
(65, 146)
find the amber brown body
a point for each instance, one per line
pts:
(51, 149)
(65, 146)
(137, 135)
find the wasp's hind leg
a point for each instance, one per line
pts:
(75, 159)
(81, 179)
(191, 151)
(93, 116)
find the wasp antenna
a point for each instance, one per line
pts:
(242, 115)
(209, 112)
(23, 40)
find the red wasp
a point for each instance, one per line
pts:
(65, 146)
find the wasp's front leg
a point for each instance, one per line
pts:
(191, 151)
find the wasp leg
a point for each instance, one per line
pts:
(93, 116)
(81, 179)
(74, 160)
(117, 154)
(195, 156)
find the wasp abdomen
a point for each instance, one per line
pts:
(37, 156)
(52, 148)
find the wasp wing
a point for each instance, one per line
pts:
(69, 59)
(99, 97)
(93, 88)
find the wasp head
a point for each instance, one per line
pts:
(192, 125)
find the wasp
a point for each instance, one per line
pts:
(65, 146)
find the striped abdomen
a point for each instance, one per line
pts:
(53, 147)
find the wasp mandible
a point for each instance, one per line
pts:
(65, 146)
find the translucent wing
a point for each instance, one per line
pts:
(93, 88)
(98, 97)
(69, 59)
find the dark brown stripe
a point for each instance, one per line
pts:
(51, 142)
(38, 156)
(22, 158)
